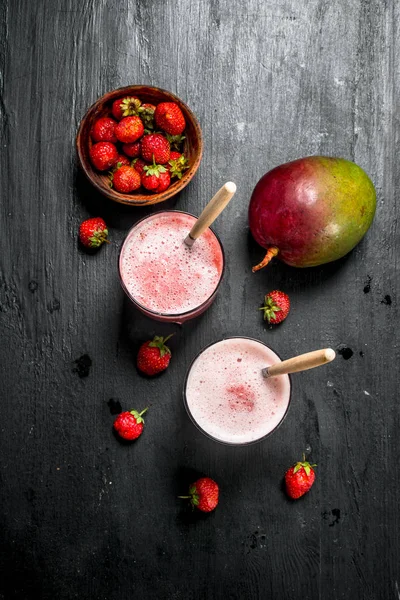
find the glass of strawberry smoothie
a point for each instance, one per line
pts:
(227, 397)
(164, 278)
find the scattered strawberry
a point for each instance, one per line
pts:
(132, 150)
(155, 147)
(125, 107)
(154, 356)
(276, 307)
(122, 160)
(129, 129)
(177, 164)
(93, 232)
(203, 494)
(125, 179)
(169, 117)
(129, 424)
(139, 165)
(103, 130)
(299, 479)
(103, 155)
(146, 113)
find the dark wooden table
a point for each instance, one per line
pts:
(83, 516)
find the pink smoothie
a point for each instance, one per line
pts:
(161, 272)
(228, 397)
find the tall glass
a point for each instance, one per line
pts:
(164, 278)
(227, 397)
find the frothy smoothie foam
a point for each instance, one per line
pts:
(161, 273)
(227, 396)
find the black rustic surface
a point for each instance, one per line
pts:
(83, 516)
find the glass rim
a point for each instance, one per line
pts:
(211, 437)
(163, 314)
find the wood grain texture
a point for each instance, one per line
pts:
(84, 516)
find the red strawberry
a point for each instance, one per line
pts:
(103, 155)
(155, 147)
(169, 117)
(132, 150)
(203, 494)
(125, 179)
(156, 183)
(125, 107)
(146, 113)
(103, 130)
(122, 160)
(177, 164)
(276, 307)
(93, 232)
(139, 165)
(299, 479)
(129, 129)
(129, 424)
(154, 356)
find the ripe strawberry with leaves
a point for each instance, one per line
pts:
(177, 164)
(203, 494)
(129, 129)
(103, 130)
(132, 150)
(156, 178)
(129, 424)
(154, 356)
(122, 160)
(125, 107)
(103, 155)
(169, 117)
(93, 232)
(299, 479)
(155, 147)
(276, 307)
(125, 179)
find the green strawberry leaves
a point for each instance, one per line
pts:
(138, 416)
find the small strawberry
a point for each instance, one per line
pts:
(276, 307)
(103, 130)
(122, 160)
(132, 150)
(155, 178)
(125, 179)
(154, 356)
(203, 494)
(139, 165)
(299, 479)
(129, 129)
(169, 117)
(125, 107)
(146, 113)
(155, 147)
(93, 232)
(103, 155)
(129, 424)
(177, 164)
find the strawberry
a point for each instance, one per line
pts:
(129, 129)
(177, 164)
(103, 155)
(122, 160)
(155, 147)
(125, 179)
(299, 479)
(203, 494)
(276, 307)
(132, 150)
(129, 424)
(169, 117)
(93, 232)
(146, 113)
(139, 165)
(103, 130)
(154, 356)
(125, 107)
(155, 178)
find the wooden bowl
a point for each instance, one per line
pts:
(192, 145)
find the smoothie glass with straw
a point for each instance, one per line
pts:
(238, 391)
(171, 263)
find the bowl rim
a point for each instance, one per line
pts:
(125, 198)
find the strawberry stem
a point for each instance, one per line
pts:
(273, 251)
(143, 411)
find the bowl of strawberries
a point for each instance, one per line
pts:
(139, 145)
